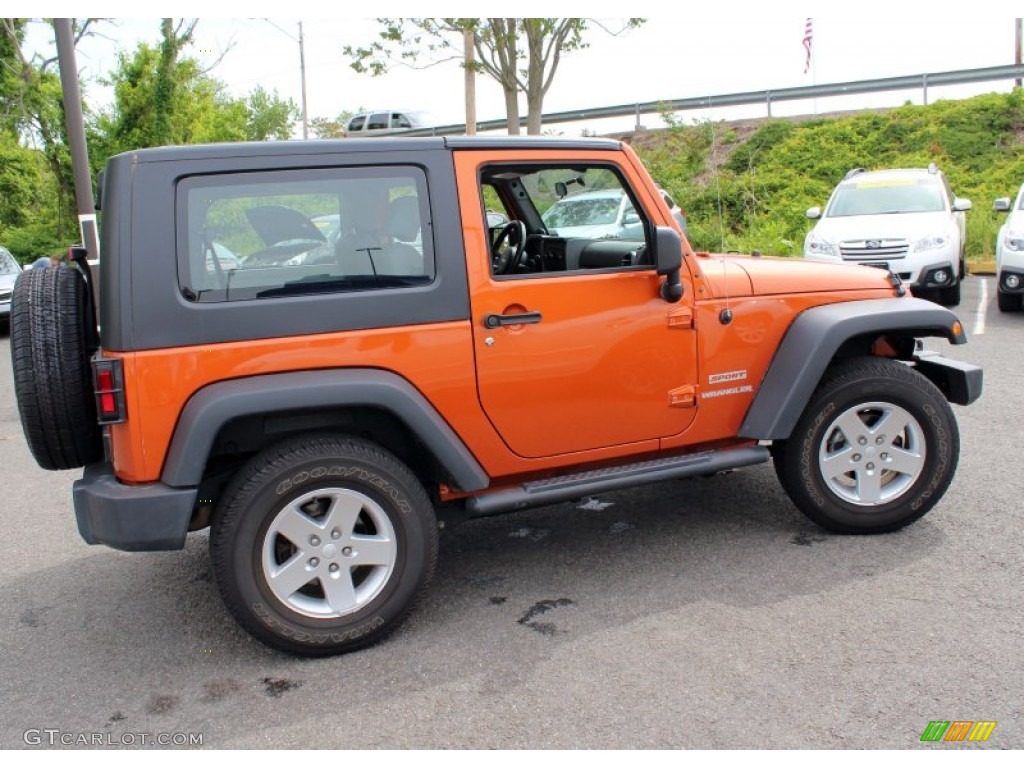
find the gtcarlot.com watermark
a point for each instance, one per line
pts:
(54, 737)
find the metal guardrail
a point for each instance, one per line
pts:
(766, 97)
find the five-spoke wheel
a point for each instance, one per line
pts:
(323, 544)
(874, 450)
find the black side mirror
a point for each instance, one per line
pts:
(668, 257)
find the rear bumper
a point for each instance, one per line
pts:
(134, 518)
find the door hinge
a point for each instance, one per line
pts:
(682, 397)
(681, 318)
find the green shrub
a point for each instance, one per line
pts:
(751, 192)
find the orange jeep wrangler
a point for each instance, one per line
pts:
(325, 350)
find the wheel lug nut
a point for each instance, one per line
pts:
(335, 534)
(862, 440)
(885, 457)
(879, 439)
(347, 551)
(314, 562)
(856, 457)
(870, 466)
(333, 568)
(314, 540)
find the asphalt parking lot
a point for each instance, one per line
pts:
(692, 614)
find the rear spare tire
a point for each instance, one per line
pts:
(52, 339)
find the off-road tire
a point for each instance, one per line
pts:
(293, 495)
(52, 339)
(854, 397)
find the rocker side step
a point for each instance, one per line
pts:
(568, 487)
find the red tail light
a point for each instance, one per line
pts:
(108, 384)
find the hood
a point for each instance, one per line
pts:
(278, 224)
(909, 226)
(769, 275)
(589, 231)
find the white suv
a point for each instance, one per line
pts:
(1010, 254)
(907, 221)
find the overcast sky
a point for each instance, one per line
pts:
(704, 49)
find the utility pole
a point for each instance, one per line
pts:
(470, 67)
(302, 68)
(76, 136)
(1019, 34)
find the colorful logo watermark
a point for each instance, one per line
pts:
(958, 730)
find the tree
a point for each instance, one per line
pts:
(268, 116)
(522, 55)
(32, 118)
(332, 127)
(163, 97)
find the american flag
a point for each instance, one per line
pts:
(808, 36)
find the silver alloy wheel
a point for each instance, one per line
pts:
(329, 552)
(872, 453)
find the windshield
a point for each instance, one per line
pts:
(8, 266)
(867, 198)
(582, 213)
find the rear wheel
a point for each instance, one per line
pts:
(1009, 302)
(52, 338)
(875, 449)
(323, 544)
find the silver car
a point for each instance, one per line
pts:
(9, 271)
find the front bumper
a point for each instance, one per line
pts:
(960, 382)
(1006, 272)
(134, 518)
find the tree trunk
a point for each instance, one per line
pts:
(534, 75)
(512, 109)
(470, 59)
(535, 109)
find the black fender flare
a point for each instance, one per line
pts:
(213, 406)
(813, 339)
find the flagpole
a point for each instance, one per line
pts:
(808, 43)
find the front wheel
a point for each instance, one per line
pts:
(874, 450)
(323, 544)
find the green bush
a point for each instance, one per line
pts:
(751, 192)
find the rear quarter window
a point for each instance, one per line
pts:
(247, 237)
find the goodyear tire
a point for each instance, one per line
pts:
(323, 544)
(52, 339)
(875, 449)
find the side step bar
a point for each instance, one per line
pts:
(569, 487)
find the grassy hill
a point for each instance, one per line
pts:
(746, 185)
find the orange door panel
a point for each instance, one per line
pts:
(593, 366)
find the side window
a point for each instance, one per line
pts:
(399, 120)
(574, 218)
(377, 121)
(286, 233)
(356, 124)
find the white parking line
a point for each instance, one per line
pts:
(979, 313)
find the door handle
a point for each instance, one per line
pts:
(497, 321)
